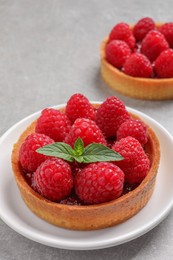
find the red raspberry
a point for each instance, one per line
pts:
(99, 182)
(78, 106)
(110, 115)
(117, 52)
(136, 163)
(138, 65)
(122, 31)
(54, 124)
(135, 128)
(153, 44)
(28, 156)
(131, 41)
(87, 130)
(53, 179)
(167, 30)
(164, 64)
(142, 27)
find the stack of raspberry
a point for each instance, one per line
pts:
(144, 50)
(75, 182)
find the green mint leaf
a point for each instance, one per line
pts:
(58, 149)
(99, 153)
(78, 147)
(79, 159)
(92, 153)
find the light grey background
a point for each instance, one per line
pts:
(49, 49)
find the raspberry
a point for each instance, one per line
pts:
(138, 65)
(122, 31)
(136, 163)
(54, 124)
(53, 179)
(99, 182)
(110, 115)
(117, 52)
(142, 27)
(28, 156)
(164, 64)
(131, 41)
(135, 128)
(167, 30)
(87, 130)
(78, 106)
(153, 44)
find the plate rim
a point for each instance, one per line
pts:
(98, 245)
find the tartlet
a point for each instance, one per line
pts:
(88, 217)
(141, 88)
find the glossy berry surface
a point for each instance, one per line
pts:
(53, 123)
(117, 53)
(122, 31)
(110, 115)
(167, 30)
(136, 163)
(99, 182)
(78, 106)
(138, 65)
(153, 44)
(53, 179)
(142, 27)
(164, 64)
(28, 156)
(135, 128)
(87, 130)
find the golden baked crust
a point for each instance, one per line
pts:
(93, 216)
(142, 88)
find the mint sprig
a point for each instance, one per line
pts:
(94, 152)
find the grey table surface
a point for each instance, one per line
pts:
(49, 50)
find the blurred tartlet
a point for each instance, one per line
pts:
(130, 78)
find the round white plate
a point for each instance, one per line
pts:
(14, 212)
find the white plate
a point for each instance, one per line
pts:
(15, 214)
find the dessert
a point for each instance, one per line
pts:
(137, 60)
(90, 180)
